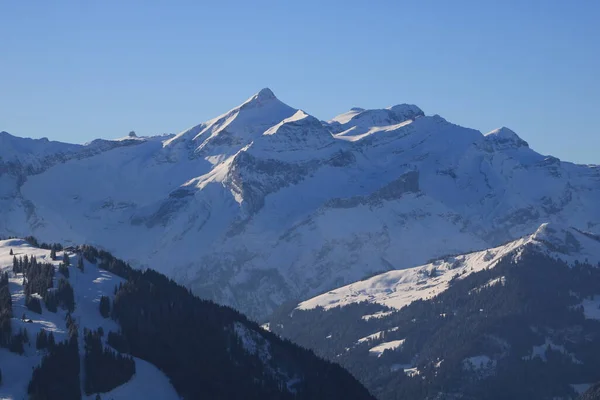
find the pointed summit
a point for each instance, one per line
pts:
(505, 138)
(229, 132)
(265, 94)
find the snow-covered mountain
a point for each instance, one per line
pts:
(78, 321)
(266, 203)
(467, 326)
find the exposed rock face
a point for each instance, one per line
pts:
(407, 183)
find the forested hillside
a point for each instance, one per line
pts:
(78, 322)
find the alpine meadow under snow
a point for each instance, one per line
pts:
(266, 204)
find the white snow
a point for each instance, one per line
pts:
(412, 372)
(380, 314)
(492, 282)
(500, 280)
(147, 383)
(540, 351)
(407, 368)
(359, 123)
(347, 116)
(397, 289)
(376, 335)
(353, 134)
(373, 336)
(503, 133)
(380, 348)
(299, 115)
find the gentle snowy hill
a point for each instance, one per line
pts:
(189, 352)
(492, 324)
(265, 203)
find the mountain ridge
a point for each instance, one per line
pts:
(252, 211)
(412, 284)
(469, 325)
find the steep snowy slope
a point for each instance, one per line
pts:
(265, 203)
(195, 350)
(225, 135)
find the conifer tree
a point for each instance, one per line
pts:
(41, 341)
(51, 341)
(104, 306)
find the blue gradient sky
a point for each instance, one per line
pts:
(77, 70)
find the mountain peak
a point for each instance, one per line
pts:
(237, 127)
(506, 137)
(265, 94)
(406, 111)
(503, 132)
(7, 135)
(568, 243)
(557, 237)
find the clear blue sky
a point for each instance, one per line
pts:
(77, 70)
